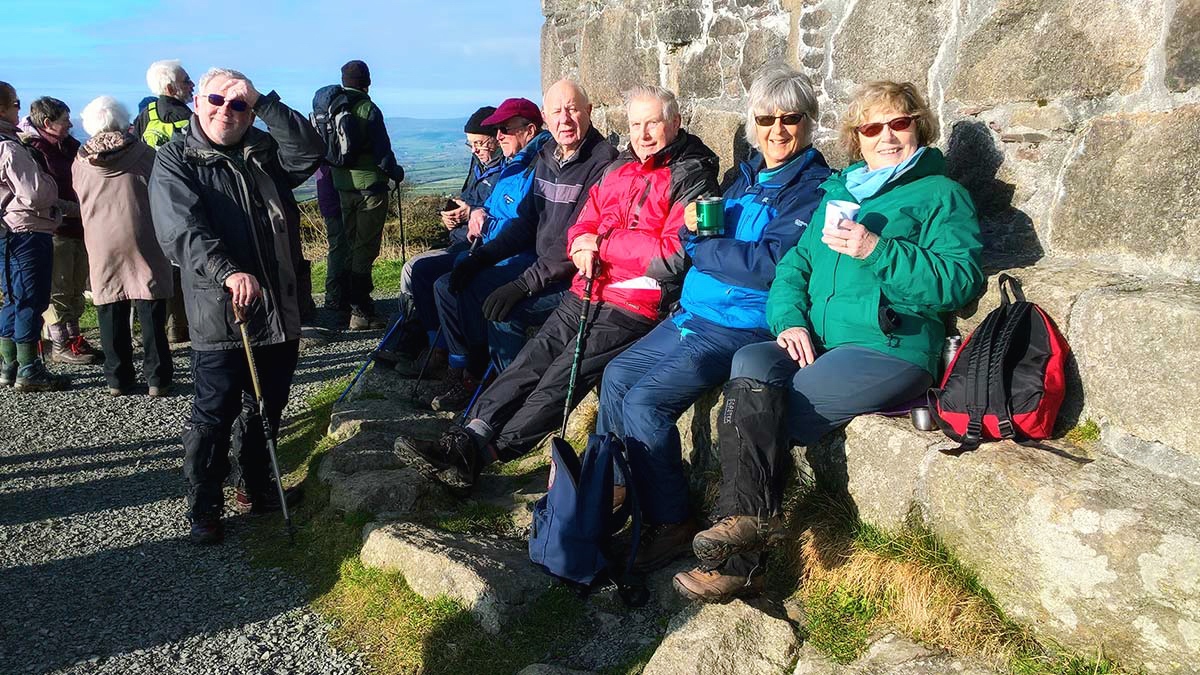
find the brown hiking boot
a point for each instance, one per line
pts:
(661, 543)
(361, 321)
(733, 535)
(712, 586)
(75, 351)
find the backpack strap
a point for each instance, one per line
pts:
(983, 341)
(998, 396)
(630, 587)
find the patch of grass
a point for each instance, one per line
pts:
(1065, 665)
(523, 466)
(478, 518)
(1088, 432)
(88, 320)
(386, 273)
(840, 620)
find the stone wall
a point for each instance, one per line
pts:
(1074, 123)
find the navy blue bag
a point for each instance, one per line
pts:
(573, 524)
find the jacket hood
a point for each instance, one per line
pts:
(8, 130)
(113, 152)
(685, 146)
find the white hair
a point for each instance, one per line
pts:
(202, 86)
(670, 104)
(780, 87)
(162, 73)
(104, 114)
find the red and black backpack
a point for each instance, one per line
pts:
(1008, 378)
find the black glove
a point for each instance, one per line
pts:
(502, 300)
(465, 271)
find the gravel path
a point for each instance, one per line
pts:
(96, 574)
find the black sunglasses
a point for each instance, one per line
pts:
(897, 124)
(788, 119)
(236, 105)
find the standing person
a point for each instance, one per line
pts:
(482, 175)
(50, 121)
(127, 265)
(855, 309)
(222, 206)
(626, 240)
(363, 188)
(30, 210)
(330, 206)
(164, 115)
(723, 306)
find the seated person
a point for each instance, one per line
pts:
(855, 307)
(626, 240)
(487, 161)
(723, 307)
(487, 309)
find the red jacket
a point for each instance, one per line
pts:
(637, 210)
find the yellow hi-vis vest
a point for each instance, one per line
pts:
(157, 131)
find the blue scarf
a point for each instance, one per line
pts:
(864, 183)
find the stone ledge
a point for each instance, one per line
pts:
(724, 640)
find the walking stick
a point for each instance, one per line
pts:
(587, 304)
(268, 432)
(371, 356)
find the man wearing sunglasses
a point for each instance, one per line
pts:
(362, 186)
(221, 199)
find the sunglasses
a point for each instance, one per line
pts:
(509, 131)
(478, 145)
(788, 119)
(875, 128)
(236, 105)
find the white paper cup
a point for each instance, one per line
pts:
(836, 210)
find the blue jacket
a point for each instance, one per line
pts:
(480, 181)
(511, 187)
(765, 214)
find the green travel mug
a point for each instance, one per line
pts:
(710, 217)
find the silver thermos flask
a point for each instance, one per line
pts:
(953, 343)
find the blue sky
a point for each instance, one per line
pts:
(428, 59)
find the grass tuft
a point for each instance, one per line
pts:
(478, 518)
(1088, 432)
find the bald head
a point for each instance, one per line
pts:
(568, 114)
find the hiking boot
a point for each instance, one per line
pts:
(8, 374)
(206, 531)
(158, 390)
(75, 351)
(266, 501)
(732, 535)
(35, 377)
(712, 586)
(458, 393)
(360, 321)
(452, 460)
(661, 543)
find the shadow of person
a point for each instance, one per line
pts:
(974, 160)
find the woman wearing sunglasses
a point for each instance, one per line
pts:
(855, 308)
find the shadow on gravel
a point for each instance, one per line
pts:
(142, 487)
(107, 449)
(92, 466)
(120, 600)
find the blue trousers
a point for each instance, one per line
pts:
(643, 393)
(841, 384)
(426, 270)
(26, 268)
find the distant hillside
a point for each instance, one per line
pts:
(433, 153)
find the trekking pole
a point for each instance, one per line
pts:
(400, 217)
(371, 356)
(268, 432)
(478, 391)
(587, 304)
(436, 337)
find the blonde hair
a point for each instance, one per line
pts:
(901, 97)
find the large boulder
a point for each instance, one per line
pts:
(492, 577)
(366, 451)
(731, 639)
(1130, 194)
(400, 492)
(1044, 49)
(890, 654)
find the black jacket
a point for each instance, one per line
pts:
(550, 209)
(170, 109)
(220, 211)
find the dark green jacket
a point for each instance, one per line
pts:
(373, 162)
(926, 262)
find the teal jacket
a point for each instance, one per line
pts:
(926, 262)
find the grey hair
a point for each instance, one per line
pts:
(104, 114)
(670, 104)
(202, 85)
(162, 73)
(780, 87)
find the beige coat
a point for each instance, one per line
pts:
(111, 175)
(28, 195)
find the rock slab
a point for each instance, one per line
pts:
(490, 576)
(731, 639)
(890, 654)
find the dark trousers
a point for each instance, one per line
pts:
(526, 401)
(461, 314)
(426, 270)
(116, 338)
(26, 269)
(337, 264)
(223, 403)
(644, 392)
(769, 399)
